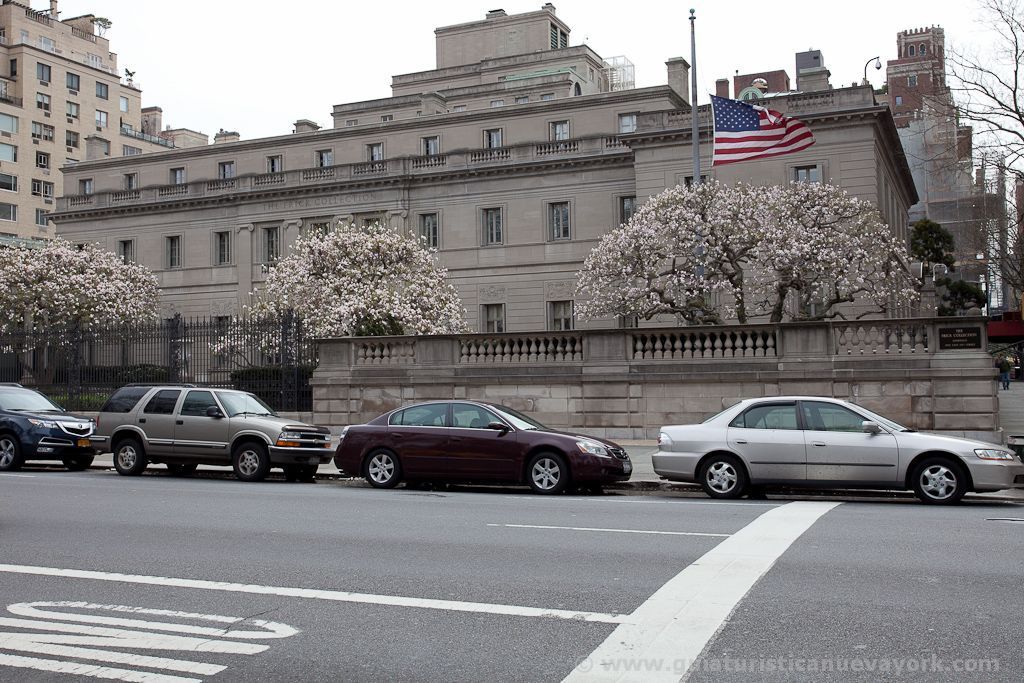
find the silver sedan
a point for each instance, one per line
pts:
(827, 443)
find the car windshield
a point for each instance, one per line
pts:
(243, 404)
(885, 422)
(516, 419)
(27, 400)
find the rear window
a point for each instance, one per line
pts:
(124, 399)
(163, 402)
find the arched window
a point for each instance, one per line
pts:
(910, 50)
(577, 90)
(923, 50)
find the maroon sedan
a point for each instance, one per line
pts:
(478, 442)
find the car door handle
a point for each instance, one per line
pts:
(818, 443)
(179, 422)
(142, 420)
(741, 440)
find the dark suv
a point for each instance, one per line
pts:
(32, 427)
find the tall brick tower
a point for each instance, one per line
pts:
(917, 77)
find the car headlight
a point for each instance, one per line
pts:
(289, 436)
(664, 440)
(993, 454)
(593, 448)
(45, 424)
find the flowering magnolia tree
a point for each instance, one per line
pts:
(372, 281)
(710, 252)
(67, 286)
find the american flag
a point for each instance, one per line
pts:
(744, 131)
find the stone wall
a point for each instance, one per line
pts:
(627, 383)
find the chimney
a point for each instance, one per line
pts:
(53, 9)
(152, 120)
(496, 13)
(549, 7)
(722, 87)
(813, 79)
(226, 136)
(679, 77)
(96, 147)
(306, 126)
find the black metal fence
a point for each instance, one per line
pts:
(79, 367)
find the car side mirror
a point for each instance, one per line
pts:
(214, 411)
(498, 426)
(871, 427)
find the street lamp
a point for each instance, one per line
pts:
(878, 65)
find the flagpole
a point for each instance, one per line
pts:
(695, 125)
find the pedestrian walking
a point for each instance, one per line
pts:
(1004, 371)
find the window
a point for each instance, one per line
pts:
(492, 138)
(493, 318)
(523, 99)
(688, 180)
(8, 212)
(627, 207)
(85, 186)
(196, 403)
(318, 228)
(558, 220)
(387, 118)
(177, 176)
(274, 164)
(772, 416)
(72, 108)
(102, 90)
(492, 226)
(628, 321)
(42, 101)
(547, 96)
(351, 122)
(375, 151)
(47, 44)
(828, 417)
(431, 145)
(559, 130)
(225, 170)
(459, 107)
(129, 151)
(8, 123)
(172, 248)
(124, 399)
(627, 123)
(910, 50)
(428, 230)
(74, 81)
(123, 103)
(222, 248)
(807, 174)
(42, 131)
(469, 416)
(8, 152)
(42, 188)
(430, 415)
(271, 244)
(8, 182)
(923, 49)
(14, 68)
(42, 218)
(126, 250)
(101, 119)
(912, 81)
(324, 157)
(163, 402)
(560, 315)
(131, 181)
(899, 100)
(42, 160)
(43, 72)
(95, 61)
(497, 103)
(559, 38)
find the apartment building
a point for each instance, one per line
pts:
(61, 91)
(512, 157)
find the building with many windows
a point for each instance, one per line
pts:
(512, 157)
(61, 99)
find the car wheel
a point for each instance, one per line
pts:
(10, 454)
(382, 469)
(181, 469)
(251, 461)
(129, 458)
(723, 476)
(547, 473)
(939, 481)
(77, 463)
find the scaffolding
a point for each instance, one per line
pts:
(619, 74)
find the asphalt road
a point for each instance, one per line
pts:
(163, 579)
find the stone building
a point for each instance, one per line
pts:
(513, 156)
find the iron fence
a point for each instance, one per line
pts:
(80, 367)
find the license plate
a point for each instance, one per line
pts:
(84, 443)
(627, 467)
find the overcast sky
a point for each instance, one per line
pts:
(256, 67)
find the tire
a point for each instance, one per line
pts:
(939, 481)
(129, 457)
(11, 458)
(181, 469)
(251, 461)
(547, 473)
(77, 463)
(382, 469)
(723, 476)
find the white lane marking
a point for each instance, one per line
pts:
(92, 670)
(318, 594)
(23, 476)
(617, 531)
(676, 623)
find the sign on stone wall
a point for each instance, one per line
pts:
(959, 338)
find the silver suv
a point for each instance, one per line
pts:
(184, 426)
